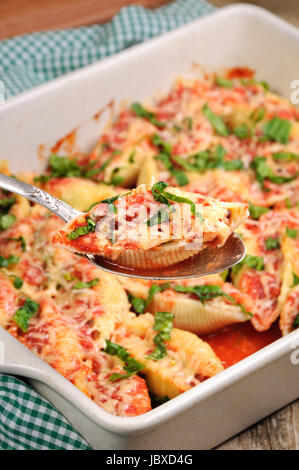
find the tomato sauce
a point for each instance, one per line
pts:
(235, 342)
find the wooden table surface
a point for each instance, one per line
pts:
(281, 430)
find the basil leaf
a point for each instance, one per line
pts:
(22, 241)
(63, 166)
(262, 83)
(295, 280)
(86, 285)
(296, 322)
(180, 177)
(207, 160)
(6, 221)
(257, 114)
(278, 129)
(224, 274)
(131, 366)
(254, 262)
(257, 211)
(242, 131)
(291, 232)
(216, 121)
(165, 157)
(131, 158)
(189, 122)
(208, 292)
(11, 259)
(159, 193)
(224, 82)
(83, 230)
(285, 156)
(232, 165)
(272, 243)
(25, 313)
(162, 145)
(163, 324)
(6, 203)
(263, 171)
(18, 282)
(140, 305)
(142, 112)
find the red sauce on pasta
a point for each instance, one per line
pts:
(235, 342)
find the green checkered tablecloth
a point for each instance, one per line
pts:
(27, 421)
(29, 60)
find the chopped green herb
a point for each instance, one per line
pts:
(224, 274)
(257, 114)
(25, 313)
(295, 280)
(254, 262)
(22, 241)
(60, 167)
(288, 203)
(18, 282)
(165, 157)
(285, 156)
(296, 322)
(131, 366)
(263, 171)
(257, 211)
(208, 292)
(262, 83)
(217, 122)
(207, 160)
(224, 82)
(291, 232)
(6, 220)
(278, 129)
(11, 259)
(83, 230)
(131, 158)
(160, 195)
(142, 112)
(115, 179)
(6, 203)
(179, 175)
(140, 305)
(163, 324)
(242, 131)
(189, 122)
(86, 285)
(272, 243)
(232, 165)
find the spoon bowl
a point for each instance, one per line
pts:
(211, 260)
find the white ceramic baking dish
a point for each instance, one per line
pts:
(243, 394)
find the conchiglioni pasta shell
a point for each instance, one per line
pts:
(192, 315)
(149, 172)
(187, 356)
(163, 255)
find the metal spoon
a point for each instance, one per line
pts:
(208, 261)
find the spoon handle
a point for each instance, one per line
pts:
(58, 207)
